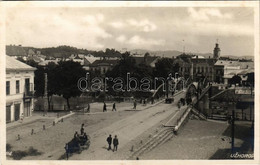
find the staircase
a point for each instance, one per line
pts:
(218, 117)
(159, 138)
(200, 115)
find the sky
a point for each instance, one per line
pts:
(153, 28)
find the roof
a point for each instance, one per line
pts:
(34, 58)
(46, 62)
(242, 65)
(227, 63)
(148, 61)
(210, 61)
(244, 72)
(13, 64)
(104, 63)
(12, 50)
(92, 59)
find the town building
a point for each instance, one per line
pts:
(19, 89)
(147, 60)
(102, 66)
(195, 67)
(235, 67)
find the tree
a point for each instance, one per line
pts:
(235, 80)
(164, 67)
(251, 80)
(67, 74)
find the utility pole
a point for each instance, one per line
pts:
(233, 130)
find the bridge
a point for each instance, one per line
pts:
(197, 99)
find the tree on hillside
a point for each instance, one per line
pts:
(235, 80)
(67, 74)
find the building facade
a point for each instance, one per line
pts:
(19, 89)
(196, 67)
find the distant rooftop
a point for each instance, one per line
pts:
(13, 50)
(13, 64)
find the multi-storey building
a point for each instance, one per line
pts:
(195, 66)
(19, 89)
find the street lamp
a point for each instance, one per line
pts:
(233, 100)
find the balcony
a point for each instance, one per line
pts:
(28, 90)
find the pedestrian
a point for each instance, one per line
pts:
(179, 105)
(109, 141)
(114, 107)
(144, 102)
(104, 107)
(88, 108)
(85, 138)
(21, 117)
(115, 143)
(134, 104)
(152, 100)
(82, 129)
(76, 135)
(67, 150)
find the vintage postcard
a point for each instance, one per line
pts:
(129, 82)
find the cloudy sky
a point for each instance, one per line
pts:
(162, 28)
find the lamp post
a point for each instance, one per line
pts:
(234, 101)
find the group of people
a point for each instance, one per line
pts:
(143, 101)
(83, 138)
(115, 143)
(105, 107)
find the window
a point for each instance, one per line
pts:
(17, 86)
(27, 85)
(7, 87)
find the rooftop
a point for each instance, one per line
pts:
(104, 62)
(13, 64)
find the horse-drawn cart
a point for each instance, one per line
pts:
(77, 145)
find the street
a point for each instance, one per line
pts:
(127, 125)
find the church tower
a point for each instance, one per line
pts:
(216, 51)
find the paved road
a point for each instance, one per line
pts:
(127, 130)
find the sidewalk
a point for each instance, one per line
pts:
(97, 108)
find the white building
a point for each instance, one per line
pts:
(19, 89)
(232, 68)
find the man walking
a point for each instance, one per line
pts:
(114, 107)
(104, 107)
(82, 129)
(115, 143)
(134, 104)
(109, 141)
